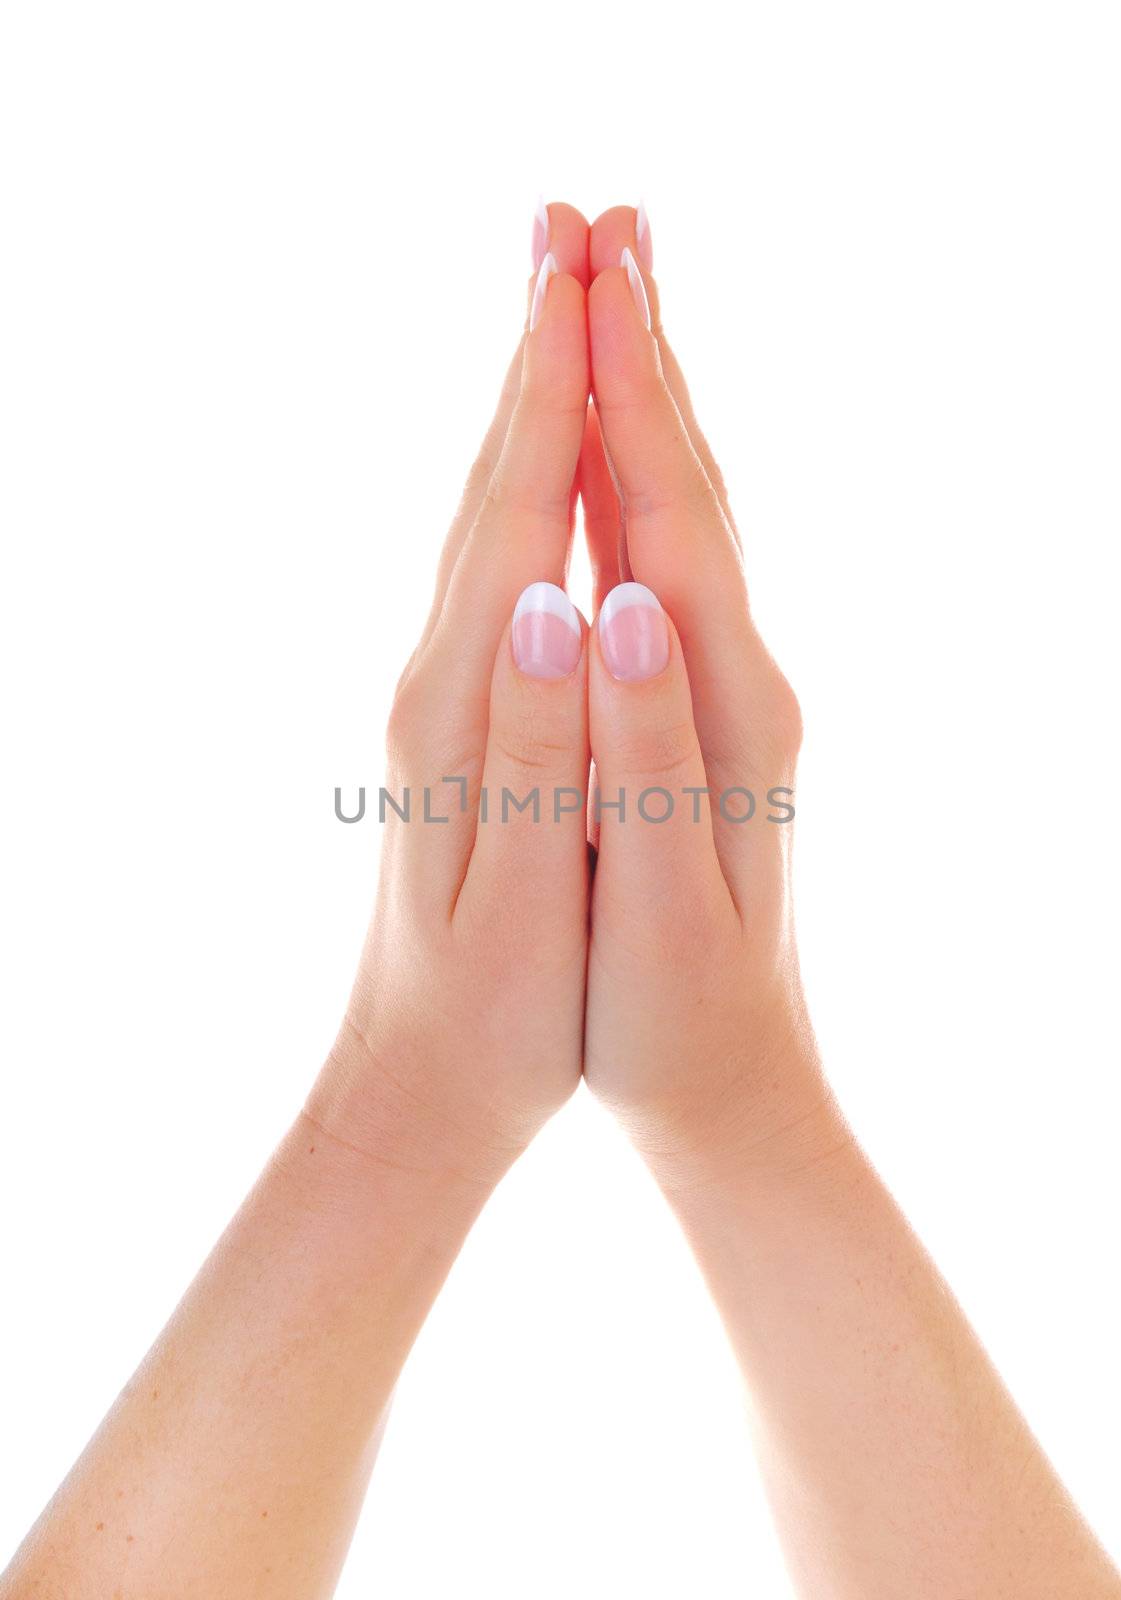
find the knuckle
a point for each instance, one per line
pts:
(544, 401)
(549, 388)
(663, 750)
(406, 718)
(527, 743)
(407, 670)
(504, 497)
(717, 479)
(784, 716)
(632, 389)
(680, 944)
(482, 470)
(688, 490)
(761, 747)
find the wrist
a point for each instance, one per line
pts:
(345, 1252)
(381, 1106)
(365, 1214)
(774, 1119)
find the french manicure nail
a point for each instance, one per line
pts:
(539, 241)
(633, 633)
(546, 634)
(642, 237)
(546, 270)
(638, 288)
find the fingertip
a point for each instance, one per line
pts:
(562, 230)
(636, 284)
(643, 239)
(545, 274)
(633, 634)
(611, 232)
(547, 633)
(626, 228)
(567, 294)
(608, 298)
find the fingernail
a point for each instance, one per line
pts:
(633, 633)
(638, 288)
(642, 237)
(546, 632)
(544, 273)
(539, 240)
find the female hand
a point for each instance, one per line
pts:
(464, 1030)
(894, 1458)
(235, 1461)
(692, 977)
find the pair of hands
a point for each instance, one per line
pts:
(505, 958)
(499, 966)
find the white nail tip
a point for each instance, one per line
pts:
(641, 222)
(624, 595)
(539, 235)
(546, 270)
(547, 598)
(638, 288)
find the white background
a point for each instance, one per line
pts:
(262, 267)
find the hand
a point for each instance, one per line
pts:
(693, 987)
(464, 1030)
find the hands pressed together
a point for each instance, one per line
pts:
(609, 895)
(500, 964)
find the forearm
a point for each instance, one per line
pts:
(893, 1456)
(237, 1456)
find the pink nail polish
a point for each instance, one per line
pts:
(638, 288)
(546, 632)
(642, 238)
(546, 270)
(539, 241)
(633, 633)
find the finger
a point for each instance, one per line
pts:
(563, 232)
(659, 473)
(522, 530)
(475, 488)
(603, 524)
(680, 545)
(656, 848)
(624, 228)
(520, 535)
(528, 869)
(678, 539)
(438, 726)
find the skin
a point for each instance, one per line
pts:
(894, 1459)
(495, 972)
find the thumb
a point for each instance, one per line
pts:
(656, 851)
